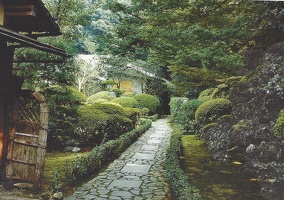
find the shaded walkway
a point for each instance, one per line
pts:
(138, 174)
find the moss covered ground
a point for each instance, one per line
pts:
(222, 181)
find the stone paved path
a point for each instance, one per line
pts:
(138, 174)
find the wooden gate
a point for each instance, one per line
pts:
(27, 142)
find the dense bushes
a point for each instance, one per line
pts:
(63, 103)
(100, 95)
(175, 104)
(126, 102)
(186, 115)
(101, 122)
(90, 163)
(212, 110)
(147, 101)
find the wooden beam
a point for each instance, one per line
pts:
(1, 14)
(20, 10)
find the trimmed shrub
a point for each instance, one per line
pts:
(98, 126)
(211, 110)
(118, 92)
(147, 101)
(109, 108)
(177, 179)
(100, 101)
(100, 95)
(206, 95)
(133, 114)
(145, 111)
(279, 125)
(221, 91)
(126, 102)
(63, 103)
(90, 163)
(175, 104)
(128, 94)
(186, 115)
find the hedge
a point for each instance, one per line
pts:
(90, 163)
(100, 95)
(177, 178)
(126, 102)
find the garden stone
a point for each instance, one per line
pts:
(72, 149)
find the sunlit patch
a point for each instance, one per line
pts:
(271, 180)
(225, 172)
(254, 179)
(232, 148)
(237, 163)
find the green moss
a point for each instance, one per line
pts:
(147, 101)
(126, 102)
(211, 110)
(206, 95)
(279, 125)
(243, 123)
(233, 80)
(208, 126)
(222, 91)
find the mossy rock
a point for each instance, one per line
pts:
(100, 95)
(147, 101)
(209, 126)
(126, 102)
(221, 91)
(278, 128)
(211, 110)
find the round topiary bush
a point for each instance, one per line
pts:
(100, 95)
(126, 102)
(100, 101)
(211, 110)
(109, 108)
(118, 92)
(147, 101)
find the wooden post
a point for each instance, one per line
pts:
(1, 13)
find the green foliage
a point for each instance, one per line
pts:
(213, 109)
(63, 103)
(100, 101)
(175, 175)
(126, 102)
(88, 164)
(147, 101)
(175, 104)
(279, 125)
(128, 94)
(206, 95)
(118, 92)
(133, 114)
(108, 82)
(221, 91)
(145, 111)
(186, 115)
(100, 95)
(101, 122)
(109, 108)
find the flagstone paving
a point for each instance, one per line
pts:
(138, 174)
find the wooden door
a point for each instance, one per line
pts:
(27, 143)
